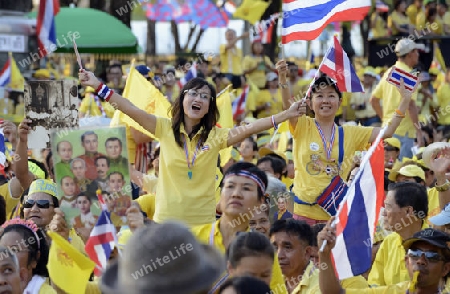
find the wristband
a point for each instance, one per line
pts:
(105, 92)
(444, 187)
(99, 88)
(275, 126)
(400, 114)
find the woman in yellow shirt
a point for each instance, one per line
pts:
(269, 100)
(398, 22)
(323, 152)
(190, 143)
(378, 24)
(257, 65)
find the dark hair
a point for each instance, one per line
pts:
(411, 194)
(113, 66)
(40, 165)
(254, 144)
(249, 244)
(245, 285)
(2, 210)
(275, 163)
(113, 139)
(64, 141)
(324, 81)
(33, 247)
(103, 157)
(316, 229)
(299, 228)
(251, 168)
(84, 195)
(116, 173)
(397, 3)
(207, 122)
(88, 133)
(47, 161)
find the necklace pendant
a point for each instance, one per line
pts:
(190, 174)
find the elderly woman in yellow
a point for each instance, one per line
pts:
(92, 105)
(242, 194)
(190, 143)
(323, 152)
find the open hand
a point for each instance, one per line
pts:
(440, 161)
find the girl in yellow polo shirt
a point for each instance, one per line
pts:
(242, 196)
(190, 143)
(323, 152)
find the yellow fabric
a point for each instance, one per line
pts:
(411, 12)
(446, 19)
(424, 108)
(390, 98)
(433, 203)
(150, 183)
(11, 202)
(230, 60)
(45, 186)
(380, 28)
(89, 107)
(344, 103)
(17, 81)
(287, 181)
(147, 204)
(306, 137)
(122, 238)
(251, 10)
(421, 23)
(275, 100)
(190, 200)
(92, 288)
(225, 110)
(363, 98)
(443, 96)
(46, 289)
(299, 89)
(258, 76)
(399, 288)
(389, 266)
(398, 19)
(175, 92)
(76, 241)
(6, 107)
(20, 109)
(65, 262)
(203, 234)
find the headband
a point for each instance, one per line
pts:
(251, 176)
(24, 223)
(36, 170)
(45, 186)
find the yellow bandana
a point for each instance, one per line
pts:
(45, 186)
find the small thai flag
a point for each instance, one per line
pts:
(409, 79)
(5, 74)
(205, 148)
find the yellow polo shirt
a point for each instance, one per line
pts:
(390, 98)
(46, 289)
(433, 203)
(11, 202)
(275, 101)
(177, 196)
(446, 19)
(312, 166)
(203, 234)
(443, 96)
(230, 60)
(258, 76)
(399, 19)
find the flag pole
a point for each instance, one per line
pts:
(364, 161)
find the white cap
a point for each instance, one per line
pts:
(404, 46)
(271, 76)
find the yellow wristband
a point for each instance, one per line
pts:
(401, 114)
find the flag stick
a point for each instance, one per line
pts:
(364, 161)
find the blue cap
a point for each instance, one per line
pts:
(143, 70)
(443, 218)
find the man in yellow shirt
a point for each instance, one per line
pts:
(427, 254)
(231, 55)
(408, 57)
(443, 96)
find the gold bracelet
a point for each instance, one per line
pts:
(444, 187)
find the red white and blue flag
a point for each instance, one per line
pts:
(337, 65)
(2, 151)
(396, 74)
(357, 217)
(228, 8)
(189, 75)
(264, 29)
(238, 105)
(5, 73)
(102, 240)
(381, 6)
(305, 20)
(46, 29)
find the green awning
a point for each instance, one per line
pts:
(96, 32)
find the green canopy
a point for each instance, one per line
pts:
(95, 32)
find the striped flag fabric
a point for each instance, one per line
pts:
(189, 75)
(397, 74)
(102, 239)
(337, 65)
(381, 6)
(2, 151)
(164, 10)
(45, 28)
(5, 73)
(305, 20)
(357, 216)
(203, 13)
(263, 30)
(228, 8)
(238, 105)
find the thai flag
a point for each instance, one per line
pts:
(381, 6)
(238, 105)
(357, 217)
(205, 148)
(5, 73)
(2, 151)
(46, 30)
(305, 20)
(409, 79)
(102, 240)
(228, 8)
(189, 75)
(264, 29)
(337, 65)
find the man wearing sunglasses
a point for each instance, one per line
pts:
(427, 253)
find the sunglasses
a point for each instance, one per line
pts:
(44, 204)
(431, 256)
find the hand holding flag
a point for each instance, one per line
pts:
(403, 80)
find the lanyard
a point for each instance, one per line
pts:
(186, 152)
(328, 148)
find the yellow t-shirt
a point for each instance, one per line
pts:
(150, 183)
(174, 95)
(399, 19)
(380, 28)
(11, 202)
(311, 165)
(400, 288)
(390, 98)
(344, 103)
(275, 101)
(425, 108)
(433, 203)
(443, 96)
(411, 12)
(147, 204)
(203, 234)
(258, 76)
(363, 98)
(421, 23)
(178, 196)
(47, 289)
(89, 107)
(230, 60)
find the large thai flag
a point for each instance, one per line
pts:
(46, 30)
(357, 217)
(102, 240)
(5, 73)
(305, 20)
(337, 65)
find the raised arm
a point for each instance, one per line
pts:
(146, 120)
(440, 164)
(238, 134)
(24, 176)
(282, 69)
